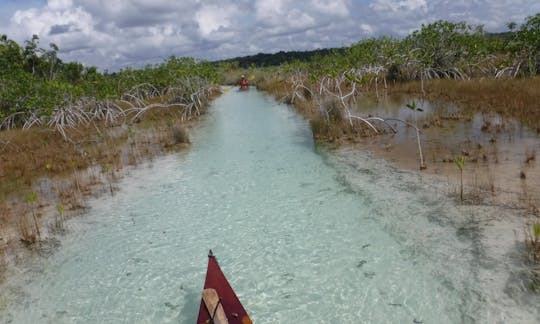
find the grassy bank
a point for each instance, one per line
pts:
(46, 178)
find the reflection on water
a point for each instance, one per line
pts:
(497, 149)
(304, 236)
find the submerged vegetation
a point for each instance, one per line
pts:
(460, 162)
(534, 241)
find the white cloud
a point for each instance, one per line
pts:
(300, 20)
(34, 21)
(338, 8)
(270, 12)
(59, 4)
(367, 29)
(394, 6)
(212, 18)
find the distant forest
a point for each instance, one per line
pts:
(277, 59)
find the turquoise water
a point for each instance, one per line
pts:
(304, 236)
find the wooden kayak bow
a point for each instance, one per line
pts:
(219, 303)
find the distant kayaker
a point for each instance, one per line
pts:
(243, 82)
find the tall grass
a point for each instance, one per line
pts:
(533, 240)
(460, 163)
(59, 217)
(32, 199)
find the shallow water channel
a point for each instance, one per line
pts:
(304, 236)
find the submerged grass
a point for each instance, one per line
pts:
(533, 238)
(41, 169)
(518, 98)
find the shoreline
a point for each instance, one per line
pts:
(500, 149)
(490, 233)
(496, 175)
(75, 188)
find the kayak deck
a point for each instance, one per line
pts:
(219, 299)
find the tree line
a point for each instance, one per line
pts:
(438, 50)
(276, 59)
(38, 88)
(441, 49)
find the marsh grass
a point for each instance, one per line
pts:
(502, 104)
(109, 175)
(3, 266)
(460, 163)
(59, 217)
(32, 200)
(180, 135)
(27, 233)
(533, 238)
(29, 154)
(518, 98)
(279, 87)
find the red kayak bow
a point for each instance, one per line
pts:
(219, 303)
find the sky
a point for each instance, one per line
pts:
(114, 34)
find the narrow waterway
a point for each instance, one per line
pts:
(305, 236)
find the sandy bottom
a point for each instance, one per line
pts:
(72, 192)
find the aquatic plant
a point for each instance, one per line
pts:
(460, 163)
(415, 108)
(530, 155)
(180, 135)
(31, 199)
(78, 143)
(3, 266)
(107, 170)
(76, 176)
(26, 234)
(533, 241)
(536, 233)
(59, 217)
